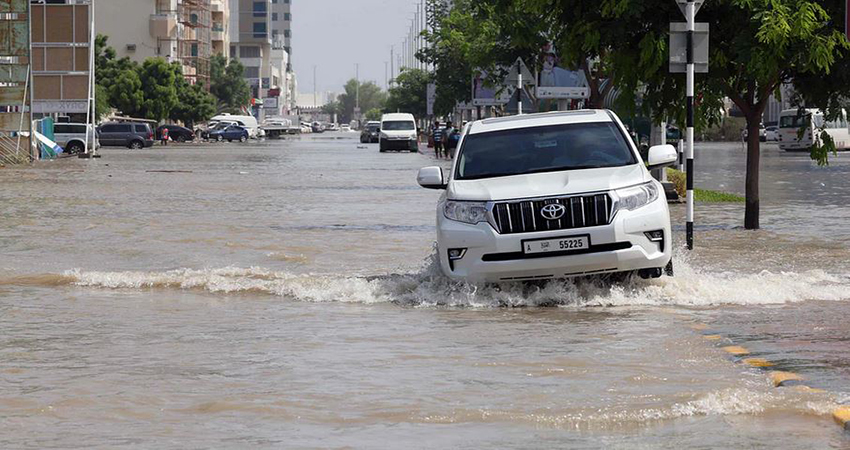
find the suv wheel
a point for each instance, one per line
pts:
(74, 148)
(242, 138)
(137, 145)
(180, 139)
(219, 138)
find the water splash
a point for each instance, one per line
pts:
(428, 287)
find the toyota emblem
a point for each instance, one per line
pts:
(553, 211)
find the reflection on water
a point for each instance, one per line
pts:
(282, 294)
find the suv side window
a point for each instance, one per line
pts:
(110, 129)
(141, 128)
(123, 128)
(61, 129)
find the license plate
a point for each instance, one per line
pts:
(564, 244)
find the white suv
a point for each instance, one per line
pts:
(551, 195)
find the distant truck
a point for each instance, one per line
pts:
(276, 127)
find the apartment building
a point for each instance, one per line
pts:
(262, 51)
(282, 26)
(187, 31)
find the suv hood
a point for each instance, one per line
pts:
(547, 184)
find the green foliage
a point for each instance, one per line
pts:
(410, 93)
(194, 104)
(125, 92)
(159, 87)
(101, 105)
(374, 114)
(371, 97)
(701, 195)
(228, 85)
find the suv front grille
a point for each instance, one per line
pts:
(525, 216)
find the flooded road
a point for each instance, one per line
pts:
(281, 294)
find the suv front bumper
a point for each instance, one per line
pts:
(621, 246)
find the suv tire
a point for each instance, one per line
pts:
(242, 138)
(75, 148)
(136, 145)
(180, 138)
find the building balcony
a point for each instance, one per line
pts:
(163, 26)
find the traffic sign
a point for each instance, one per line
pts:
(697, 5)
(679, 47)
(513, 75)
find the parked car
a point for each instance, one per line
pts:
(398, 132)
(332, 127)
(249, 122)
(317, 127)
(762, 133)
(135, 135)
(176, 133)
(772, 133)
(72, 136)
(370, 133)
(509, 214)
(230, 133)
(345, 128)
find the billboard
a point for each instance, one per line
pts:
(15, 92)
(556, 82)
(486, 95)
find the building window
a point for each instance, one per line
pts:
(194, 50)
(249, 52)
(274, 17)
(287, 17)
(287, 33)
(252, 72)
(260, 30)
(260, 9)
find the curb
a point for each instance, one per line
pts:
(779, 378)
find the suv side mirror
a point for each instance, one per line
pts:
(662, 156)
(431, 178)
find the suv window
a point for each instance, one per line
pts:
(543, 149)
(141, 128)
(116, 128)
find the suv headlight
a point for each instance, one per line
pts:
(637, 196)
(466, 212)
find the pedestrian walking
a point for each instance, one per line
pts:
(438, 134)
(164, 137)
(452, 136)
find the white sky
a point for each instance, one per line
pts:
(335, 34)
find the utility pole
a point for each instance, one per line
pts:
(357, 98)
(315, 89)
(386, 76)
(392, 62)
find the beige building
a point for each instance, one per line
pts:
(254, 43)
(188, 31)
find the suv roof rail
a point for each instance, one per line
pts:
(578, 112)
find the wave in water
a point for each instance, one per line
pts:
(428, 287)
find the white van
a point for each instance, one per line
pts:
(398, 132)
(249, 122)
(811, 120)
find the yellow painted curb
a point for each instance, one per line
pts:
(736, 350)
(842, 416)
(713, 337)
(758, 362)
(784, 378)
(803, 388)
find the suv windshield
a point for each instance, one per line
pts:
(398, 125)
(372, 127)
(543, 149)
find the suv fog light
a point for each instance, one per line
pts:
(655, 236)
(455, 254)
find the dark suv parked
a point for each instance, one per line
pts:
(133, 135)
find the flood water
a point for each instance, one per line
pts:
(281, 294)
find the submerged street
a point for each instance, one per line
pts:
(283, 294)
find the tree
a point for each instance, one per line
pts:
(374, 114)
(228, 84)
(125, 92)
(371, 97)
(194, 104)
(159, 84)
(409, 93)
(756, 45)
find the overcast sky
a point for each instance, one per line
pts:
(335, 34)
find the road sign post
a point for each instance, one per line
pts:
(693, 34)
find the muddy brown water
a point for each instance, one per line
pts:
(281, 294)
